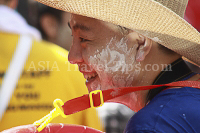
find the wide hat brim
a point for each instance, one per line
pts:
(147, 17)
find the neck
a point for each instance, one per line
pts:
(134, 100)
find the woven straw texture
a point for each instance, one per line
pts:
(163, 24)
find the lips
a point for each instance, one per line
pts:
(89, 76)
(88, 72)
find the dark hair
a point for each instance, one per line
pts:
(43, 10)
(123, 30)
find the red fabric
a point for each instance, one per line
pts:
(52, 128)
(192, 14)
(83, 102)
(80, 103)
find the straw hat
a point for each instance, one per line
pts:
(160, 20)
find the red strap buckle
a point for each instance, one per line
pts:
(91, 99)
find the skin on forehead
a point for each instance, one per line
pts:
(98, 32)
(91, 25)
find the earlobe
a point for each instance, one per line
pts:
(143, 49)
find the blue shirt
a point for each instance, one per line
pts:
(171, 111)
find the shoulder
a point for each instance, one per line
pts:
(169, 111)
(147, 118)
(8, 38)
(49, 50)
(40, 49)
(142, 130)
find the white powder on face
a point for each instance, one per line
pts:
(141, 55)
(119, 79)
(113, 57)
(129, 79)
(116, 57)
(116, 62)
(95, 86)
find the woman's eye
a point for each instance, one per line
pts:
(82, 39)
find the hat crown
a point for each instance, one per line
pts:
(177, 6)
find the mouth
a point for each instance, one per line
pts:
(90, 76)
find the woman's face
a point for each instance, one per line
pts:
(105, 55)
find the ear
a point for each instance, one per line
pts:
(49, 25)
(144, 48)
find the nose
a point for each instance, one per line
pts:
(75, 54)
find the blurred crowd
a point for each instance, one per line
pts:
(53, 26)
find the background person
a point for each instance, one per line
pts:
(47, 75)
(53, 24)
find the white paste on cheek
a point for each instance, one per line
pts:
(95, 86)
(116, 59)
(119, 80)
(141, 55)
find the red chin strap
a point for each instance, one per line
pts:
(96, 100)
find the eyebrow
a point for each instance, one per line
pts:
(79, 26)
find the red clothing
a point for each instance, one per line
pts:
(192, 14)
